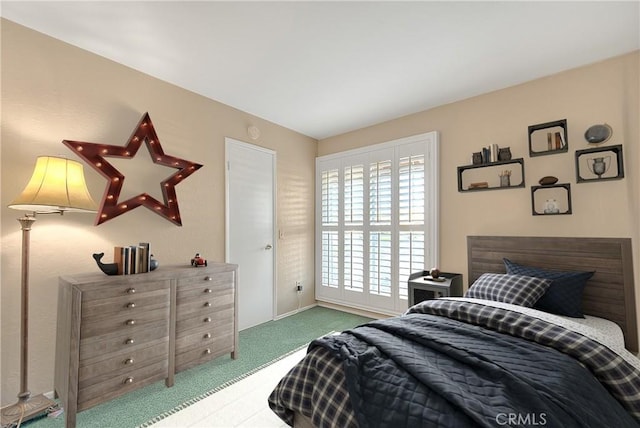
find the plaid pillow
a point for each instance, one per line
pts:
(564, 296)
(516, 289)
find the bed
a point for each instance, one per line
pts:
(517, 350)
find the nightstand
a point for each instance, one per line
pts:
(423, 287)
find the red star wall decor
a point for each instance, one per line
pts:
(110, 207)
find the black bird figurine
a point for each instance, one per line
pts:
(108, 268)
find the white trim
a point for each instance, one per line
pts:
(354, 310)
(274, 233)
(295, 311)
(427, 143)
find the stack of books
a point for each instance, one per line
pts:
(132, 259)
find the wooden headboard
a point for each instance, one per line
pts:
(608, 294)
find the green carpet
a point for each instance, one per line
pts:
(258, 346)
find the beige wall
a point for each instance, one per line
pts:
(52, 91)
(606, 92)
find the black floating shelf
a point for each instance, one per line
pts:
(461, 169)
(565, 186)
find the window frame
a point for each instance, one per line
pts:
(426, 144)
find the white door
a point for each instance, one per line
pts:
(250, 243)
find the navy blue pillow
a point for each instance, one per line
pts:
(564, 295)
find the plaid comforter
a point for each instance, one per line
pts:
(317, 387)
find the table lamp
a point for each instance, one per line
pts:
(57, 185)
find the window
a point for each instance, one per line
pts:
(377, 222)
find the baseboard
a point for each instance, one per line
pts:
(287, 314)
(352, 310)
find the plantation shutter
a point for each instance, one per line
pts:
(411, 203)
(377, 222)
(330, 242)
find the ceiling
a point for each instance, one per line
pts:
(323, 68)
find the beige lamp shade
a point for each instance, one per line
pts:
(57, 185)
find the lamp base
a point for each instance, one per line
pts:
(25, 409)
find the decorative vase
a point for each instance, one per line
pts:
(599, 165)
(153, 264)
(504, 154)
(477, 158)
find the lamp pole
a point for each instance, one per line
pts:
(25, 222)
(27, 407)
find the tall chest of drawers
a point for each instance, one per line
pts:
(120, 333)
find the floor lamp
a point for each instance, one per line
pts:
(57, 185)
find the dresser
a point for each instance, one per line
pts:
(119, 333)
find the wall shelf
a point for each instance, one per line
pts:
(560, 192)
(548, 138)
(611, 163)
(490, 175)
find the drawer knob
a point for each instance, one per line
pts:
(130, 322)
(207, 304)
(207, 351)
(129, 341)
(131, 305)
(208, 278)
(207, 319)
(208, 290)
(128, 361)
(131, 290)
(128, 380)
(207, 336)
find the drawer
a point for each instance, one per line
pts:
(204, 305)
(123, 362)
(203, 354)
(98, 348)
(121, 384)
(224, 316)
(124, 322)
(123, 288)
(222, 280)
(93, 310)
(201, 336)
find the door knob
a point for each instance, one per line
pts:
(268, 247)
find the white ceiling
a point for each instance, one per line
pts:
(324, 68)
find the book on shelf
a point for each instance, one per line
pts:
(145, 256)
(126, 260)
(118, 258)
(132, 259)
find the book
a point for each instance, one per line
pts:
(145, 249)
(126, 260)
(479, 185)
(133, 259)
(118, 259)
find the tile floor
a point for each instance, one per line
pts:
(243, 404)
